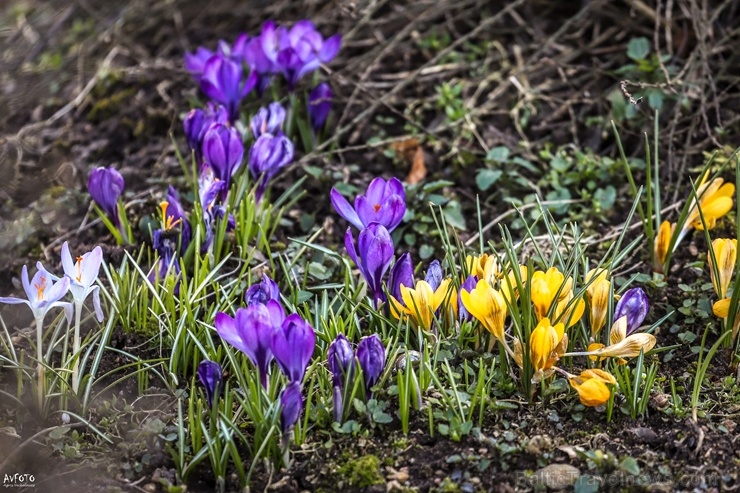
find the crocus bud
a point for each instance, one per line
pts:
(383, 202)
(319, 104)
(371, 356)
(375, 248)
(251, 330)
(175, 214)
(291, 406)
(210, 375)
(434, 275)
(224, 82)
(468, 286)
(262, 292)
(268, 155)
(341, 359)
(223, 150)
(402, 274)
(105, 186)
(268, 120)
(198, 121)
(196, 61)
(293, 345)
(634, 305)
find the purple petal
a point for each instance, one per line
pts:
(344, 209)
(330, 48)
(291, 404)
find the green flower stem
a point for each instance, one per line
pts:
(76, 346)
(40, 361)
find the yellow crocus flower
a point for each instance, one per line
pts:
(420, 303)
(629, 347)
(569, 312)
(662, 242)
(597, 294)
(715, 200)
(545, 347)
(545, 287)
(591, 386)
(483, 267)
(722, 309)
(725, 251)
(488, 306)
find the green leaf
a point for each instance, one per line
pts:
(638, 48)
(629, 465)
(486, 178)
(655, 98)
(381, 417)
(453, 215)
(426, 251)
(586, 484)
(58, 433)
(499, 154)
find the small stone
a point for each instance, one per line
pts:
(557, 476)
(539, 444)
(149, 487)
(402, 476)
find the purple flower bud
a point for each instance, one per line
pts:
(293, 346)
(105, 186)
(262, 292)
(223, 150)
(210, 375)
(301, 49)
(197, 123)
(291, 404)
(434, 275)
(224, 82)
(634, 305)
(168, 263)
(251, 331)
(469, 285)
(383, 202)
(341, 359)
(268, 120)
(268, 155)
(375, 248)
(371, 355)
(319, 104)
(402, 274)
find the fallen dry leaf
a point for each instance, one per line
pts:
(418, 168)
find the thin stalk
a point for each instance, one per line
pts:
(39, 361)
(76, 347)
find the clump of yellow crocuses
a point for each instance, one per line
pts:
(724, 251)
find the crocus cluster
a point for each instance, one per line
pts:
(376, 213)
(265, 333)
(45, 291)
(341, 358)
(714, 201)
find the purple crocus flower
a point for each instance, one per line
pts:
(210, 375)
(196, 62)
(251, 330)
(371, 356)
(174, 214)
(341, 359)
(293, 346)
(434, 274)
(82, 275)
(375, 248)
(402, 274)
(319, 104)
(468, 285)
(43, 294)
(224, 82)
(197, 123)
(301, 49)
(268, 120)
(291, 406)
(268, 155)
(105, 186)
(383, 202)
(223, 150)
(262, 292)
(634, 305)
(168, 263)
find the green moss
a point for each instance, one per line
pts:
(108, 107)
(362, 472)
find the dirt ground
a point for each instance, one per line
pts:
(85, 83)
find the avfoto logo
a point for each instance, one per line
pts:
(18, 479)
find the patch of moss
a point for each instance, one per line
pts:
(362, 472)
(108, 107)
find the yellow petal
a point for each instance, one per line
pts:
(618, 331)
(602, 375)
(599, 305)
(722, 308)
(542, 342)
(593, 347)
(725, 251)
(630, 347)
(662, 242)
(592, 392)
